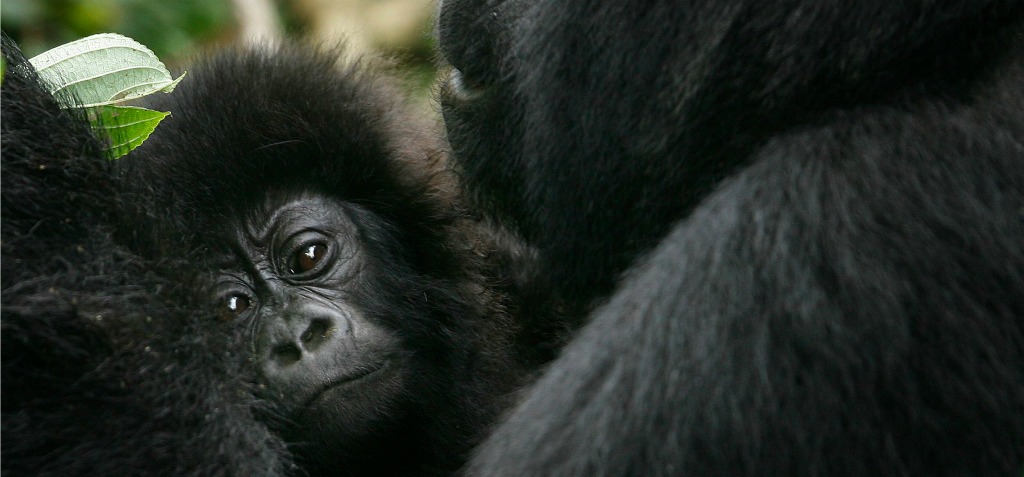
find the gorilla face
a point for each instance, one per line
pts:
(299, 266)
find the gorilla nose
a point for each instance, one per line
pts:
(296, 344)
(290, 349)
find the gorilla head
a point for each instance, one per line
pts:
(286, 280)
(592, 125)
(371, 313)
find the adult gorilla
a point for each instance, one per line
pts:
(365, 320)
(801, 225)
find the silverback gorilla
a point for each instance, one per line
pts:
(281, 281)
(800, 226)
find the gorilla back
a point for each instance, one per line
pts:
(817, 208)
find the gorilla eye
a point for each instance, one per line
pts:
(233, 306)
(307, 258)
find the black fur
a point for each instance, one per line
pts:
(803, 223)
(108, 366)
(114, 360)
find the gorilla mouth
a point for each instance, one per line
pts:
(359, 374)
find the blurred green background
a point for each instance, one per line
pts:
(400, 30)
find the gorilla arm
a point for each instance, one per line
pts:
(785, 329)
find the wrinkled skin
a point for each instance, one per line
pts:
(326, 364)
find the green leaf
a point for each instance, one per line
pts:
(124, 127)
(99, 71)
(102, 69)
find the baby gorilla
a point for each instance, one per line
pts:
(377, 318)
(364, 317)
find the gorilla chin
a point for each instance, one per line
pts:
(348, 414)
(348, 384)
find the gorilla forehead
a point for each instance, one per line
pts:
(271, 136)
(294, 211)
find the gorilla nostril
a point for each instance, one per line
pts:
(317, 333)
(286, 354)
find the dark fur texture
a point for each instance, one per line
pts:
(817, 209)
(114, 361)
(108, 365)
